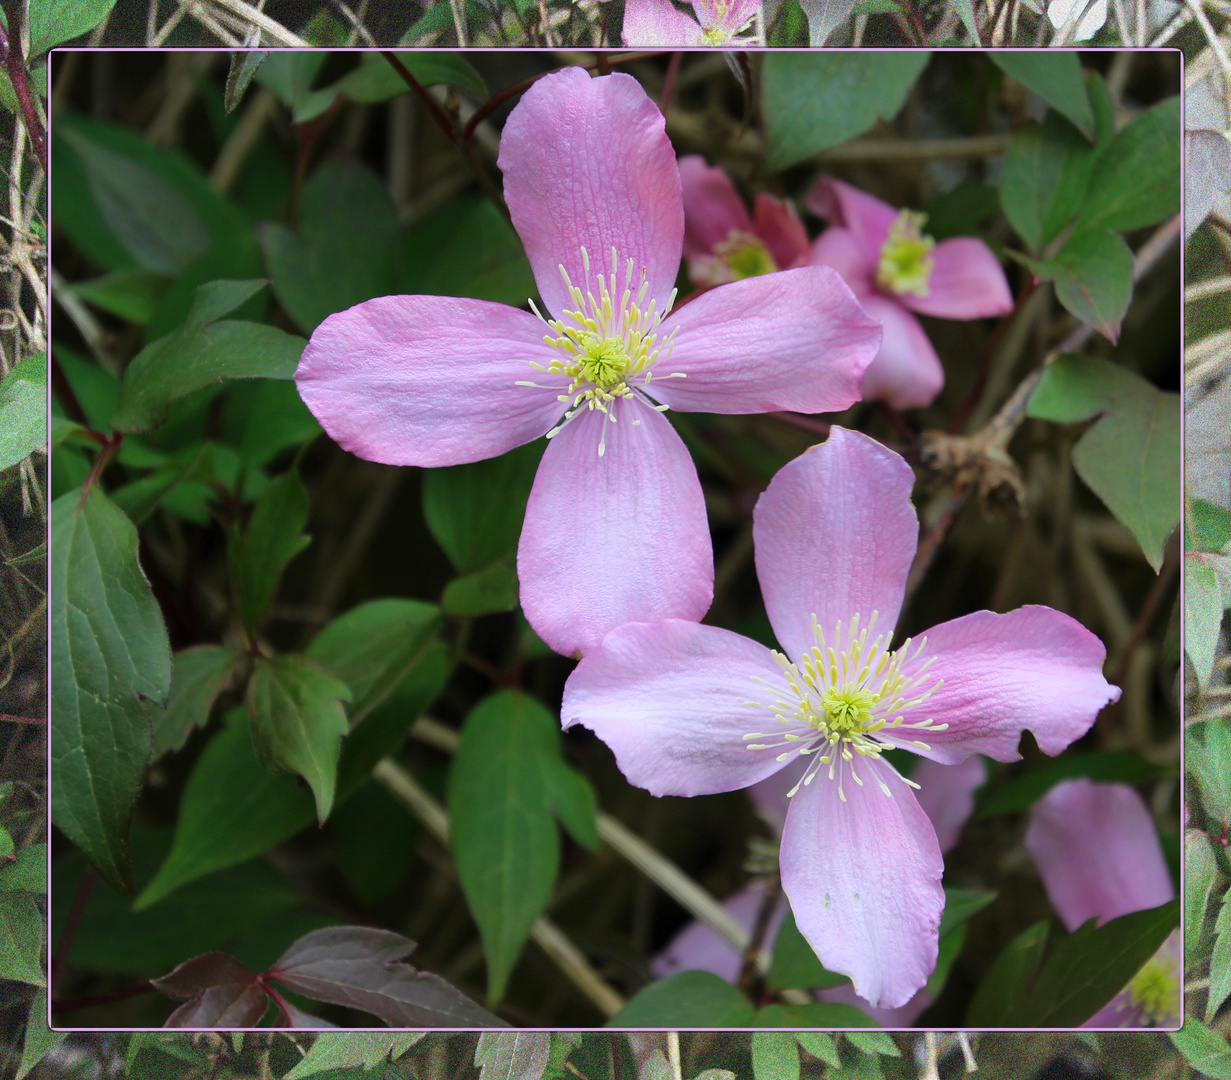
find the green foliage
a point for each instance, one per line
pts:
(111, 648)
(795, 964)
(274, 536)
(687, 1000)
(1007, 979)
(1046, 172)
(1220, 960)
(505, 843)
(1200, 878)
(21, 938)
(376, 841)
(375, 80)
(513, 1055)
(1211, 527)
(26, 870)
(873, 1042)
(55, 21)
(812, 101)
(825, 1014)
(1203, 610)
(1024, 791)
(39, 1038)
(198, 675)
(132, 295)
(23, 410)
(1093, 275)
(1131, 457)
(1207, 1052)
(347, 1050)
(820, 1046)
(1056, 77)
(1209, 761)
(774, 1056)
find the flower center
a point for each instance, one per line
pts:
(745, 255)
(906, 257)
(1155, 989)
(608, 343)
(842, 697)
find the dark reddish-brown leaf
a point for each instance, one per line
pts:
(220, 993)
(360, 967)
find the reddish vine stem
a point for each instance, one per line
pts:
(16, 65)
(673, 70)
(23, 719)
(749, 976)
(73, 1004)
(60, 961)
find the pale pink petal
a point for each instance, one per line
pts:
(1097, 852)
(771, 795)
(698, 948)
(712, 206)
(1032, 668)
(907, 373)
(674, 700)
(947, 795)
(867, 217)
(776, 222)
(427, 380)
(728, 15)
(795, 340)
(835, 533)
(863, 878)
(967, 282)
(903, 1016)
(587, 163)
(615, 538)
(656, 24)
(838, 247)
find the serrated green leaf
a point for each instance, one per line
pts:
(244, 66)
(492, 589)
(274, 536)
(814, 100)
(686, 1001)
(1209, 761)
(109, 649)
(1093, 276)
(820, 1046)
(1105, 765)
(21, 939)
(774, 1056)
(348, 1050)
(1056, 77)
(1131, 457)
(1046, 172)
(1220, 959)
(1203, 610)
(1005, 982)
(27, 871)
(40, 1039)
(198, 675)
(512, 1055)
(1208, 1053)
(298, 721)
(873, 1042)
(794, 964)
(56, 21)
(1200, 877)
(504, 841)
(23, 410)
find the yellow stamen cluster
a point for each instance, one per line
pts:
(1155, 989)
(842, 696)
(745, 255)
(906, 256)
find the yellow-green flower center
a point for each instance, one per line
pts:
(715, 35)
(906, 256)
(1155, 989)
(603, 361)
(745, 255)
(846, 710)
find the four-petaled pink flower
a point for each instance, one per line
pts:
(653, 24)
(693, 710)
(896, 269)
(1099, 857)
(615, 528)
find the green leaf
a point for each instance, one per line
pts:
(502, 788)
(1209, 761)
(825, 1014)
(1130, 458)
(243, 66)
(273, 538)
(1005, 982)
(1211, 528)
(1136, 179)
(494, 588)
(376, 841)
(814, 100)
(132, 295)
(1093, 275)
(56, 21)
(289, 74)
(21, 939)
(109, 649)
(794, 963)
(961, 905)
(348, 1050)
(513, 1055)
(198, 675)
(1208, 1053)
(1046, 172)
(686, 1001)
(874, 1042)
(191, 359)
(1086, 969)
(1220, 960)
(949, 947)
(820, 1046)
(7, 847)
(774, 1056)
(475, 511)
(27, 871)
(376, 80)
(1104, 765)
(1200, 877)
(1203, 608)
(298, 721)
(23, 410)
(232, 808)
(1056, 77)
(39, 1037)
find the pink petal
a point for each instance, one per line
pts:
(656, 24)
(712, 206)
(777, 223)
(906, 373)
(903, 1016)
(947, 795)
(698, 948)
(1033, 668)
(728, 15)
(863, 878)
(674, 701)
(795, 340)
(617, 538)
(427, 380)
(835, 533)
(839, 248)
(967, 282)
(587, 163)
(1097, 852)
(865, 216)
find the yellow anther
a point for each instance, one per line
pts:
(906, 257)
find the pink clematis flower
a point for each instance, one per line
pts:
(693, 710)
(895, 270)
(1099, 857)
(615, 527)
(721, 242)
(654, 24)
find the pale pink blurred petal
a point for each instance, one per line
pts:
(835, 533)
(947, 795)
(657, 24)
(614, 537)
(776, 222)
(866, 217)
(793, 340)
(698, 948)
(712, 206)
(967, 282)
(839, 248)
(587, 163)
(863, 878)
(903, 1016)
(1033, 668)
(725, 16)
(1097, 852)
(427, 380)
(674, 700)
(907, 373)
